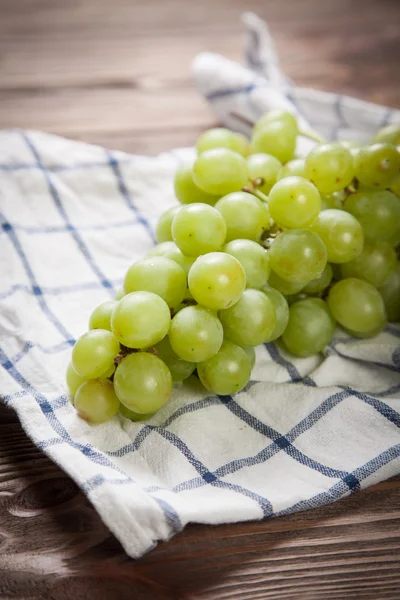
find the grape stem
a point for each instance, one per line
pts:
(255, 192)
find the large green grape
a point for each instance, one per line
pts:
(341, 233)
(132, 415)
(187, 191)
(73, 380)
(390, 134)
(219, 137)
(390, 292)
(96, 401)
(266, 167)
(377, 212)
(296, 167)
(195, 334)
(227, 372)
(374, 264)
(330, 167)
(285, 287)
(246, 216)
(298, 255)
(275, 138)
(251, 321)
(101, 316)
(180, 369)
(281, 309)
(217, 280)
(318, 285)
(357, 306)
(294, 202)
(140, 320)
(254, 260)
(143, 382)
(163, 229)
(170, 250)
(284, 117)
(377, 166)
(198, 229)
(94, 353)
(220, 171)
(158, 275)
(310, 327)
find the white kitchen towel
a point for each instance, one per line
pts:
(304, 432)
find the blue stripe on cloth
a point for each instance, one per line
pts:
(66, 289)
(223, 93)
(363, 360)
(64, 437)
(115, 167)
(35, 287)
(291, 369)
(50, 350)
(64, 228)
(58, 168)
(61, 209)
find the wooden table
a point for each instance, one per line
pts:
(117, 73)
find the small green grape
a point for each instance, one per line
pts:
(220, 171)
(227, 372)
(295, 167)
(246, 216)
(251, 321)
(96, 401)
(251, 355)
(298, 255)
(254, 260)
(73, 380)
(341, 233)
(276, 138)
(310, 327)
(134, 416)
(318, 285)
(294, 202)
(180, 369)
(198, 229)
(120, 293)
(195, 334)
(217, 280)
(330, 167)
(278, 115)
(281, 309)
(374, 264)
(377, 166)
(170, 250)
(163, 229)
(94, 353)
(377, 212)
(335, 200)
(158, 275)
(266, 167)
(187, 192)
(390, 292)
(219, 137)
(388, 135)
(101, 316)
(285, 287)
(143, 382)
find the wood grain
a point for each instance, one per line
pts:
(118, 74)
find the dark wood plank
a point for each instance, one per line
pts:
(119, 74)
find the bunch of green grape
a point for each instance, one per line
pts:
(264, 246)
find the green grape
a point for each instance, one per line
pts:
(158, 275)
(163, 229)
(395, 239)
(101, 316)
(357, 306)
(377, 212)
(74, 381)
(266, 167)
(310, 327)
(377, 166)
(227, 372)
(217, 280)
(170, 250)
(94, 353)
(374, 264)
(180, 369)
(298, 255)
(140, 320)
(254, 260)
(143, 382)
(294, 202)
(318, 285)
(198, 229)
(281, 309)
(295, 167)
(395, 188)
(276, 138)
(132, 415)
(330, 167)
(388, 135)
(334, 200)
(341, 233)
(251, 321)
(390, 292)
(251, 355)
(108, 373)
(195, 334)
(219, 137)
(278, 115)
(120, 293)
(285, 287)
(187, 191)
(246, 216)
(96, 401)
(220, 171)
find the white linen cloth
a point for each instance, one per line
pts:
(304, 432)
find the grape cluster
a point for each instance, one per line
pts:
(263, 246)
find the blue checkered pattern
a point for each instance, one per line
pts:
(303, 433)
